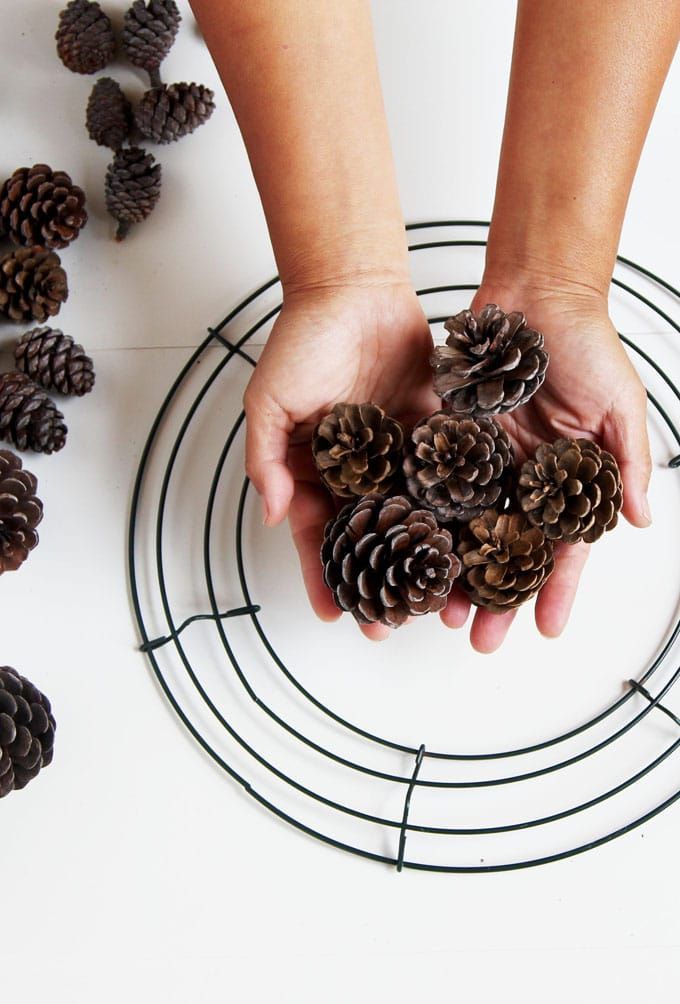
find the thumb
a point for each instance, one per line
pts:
(268, 429)
(626, 437)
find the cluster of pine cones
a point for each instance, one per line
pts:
(86, 43)
(444, 504)
(41, 211)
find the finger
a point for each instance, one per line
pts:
(488, 630)
(556, 598)
(375, 632)
(310, 508)
(625, 435)
(268, 429)
(456, 611)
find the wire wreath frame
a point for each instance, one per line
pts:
(235, 351)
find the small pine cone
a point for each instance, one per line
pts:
(572, 490)
(505, 560)
(109, 114)
(491, 363)
(33, 284)
(39, 206)
(20, 512)
(132, 187)
(54, 361)
(85, 39)
(357, 450)
(167, 113)
(386, 560)
(149, 29)
(27, 728)
(28, 418)
(458, 466)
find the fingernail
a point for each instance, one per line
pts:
(646, 511)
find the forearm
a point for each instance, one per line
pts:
(585, 80)
(302, 79)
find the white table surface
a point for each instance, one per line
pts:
(133, 869)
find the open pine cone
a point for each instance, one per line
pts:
(33, 284)
(28, 417)
(458, 467)
(132, 187)
(491, 363)
(385, 560)
(505, 560)
(54, 361)
(168, 112)
(357, 449)
(39, 206)
(149, 29)
(109, 114)
(20, 512)
(85, 39)
(26, 731)
(571, 489)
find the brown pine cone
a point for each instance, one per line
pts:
(385, 561)
(85, 39)
(109, 114)
(149, 29)
(505, 560)
(28, 418)
(571, 489)
(167, 113)
(26, 731)
(54, 361)
(33, 284)
(458, 466)
(20, 512)
(357, 449)
(39, 206)
(491, 363)
(132, 187)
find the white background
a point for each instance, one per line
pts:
(133, 869)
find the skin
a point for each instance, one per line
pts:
(302, 80)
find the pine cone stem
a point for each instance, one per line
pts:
(155, 77)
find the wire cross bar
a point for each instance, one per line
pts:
(675, 462)
(233, 349)
(153, 643)
(654, 700)
(407, 805)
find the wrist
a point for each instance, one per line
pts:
(369, 257)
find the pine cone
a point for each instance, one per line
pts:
(572, 490)
(53, 360)
(167, 113)
(85, 39)
(357, 450)
(20, 512)
(148, 33)
(458, 467)
(505, 560)
(385, 560)
(109, 114)
(39, 206)
(132, 187)
(491, 363)
(28, 418)
(33, 284)
(26, 731)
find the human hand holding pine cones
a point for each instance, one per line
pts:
(591, 389)
(364, 342)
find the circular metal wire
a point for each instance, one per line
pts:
(235, 351)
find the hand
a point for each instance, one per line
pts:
(367, 341)
(592, 390)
